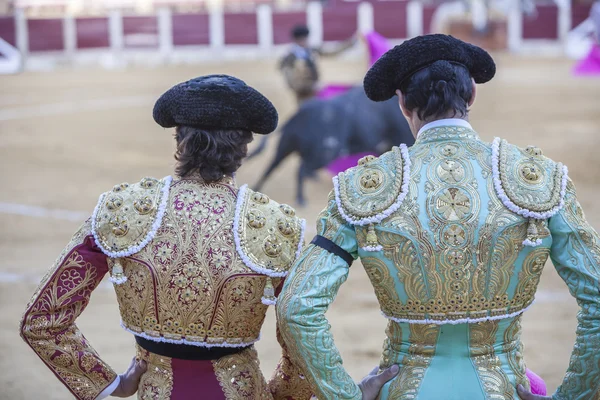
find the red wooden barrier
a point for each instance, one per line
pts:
(390, 19)
(428, 11)
(339, 22)
(45, 34)
(579, 13)
(7, 30)
(191, 29)
(544, 26)
(240, 28)
(140, 32)
(283, 24)
(92, 33)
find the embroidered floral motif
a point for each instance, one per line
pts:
(48, 324)
(240, 377)
(157, 381)
(189, 285)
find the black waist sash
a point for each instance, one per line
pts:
(185, 351)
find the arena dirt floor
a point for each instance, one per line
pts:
(67, 136)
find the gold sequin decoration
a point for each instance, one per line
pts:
(125, 216)
(366, 159)
(530, 180)
(371, 179)
(157, 381)
(531, 172)
(373, 187)
(240, 377)
(271, 236)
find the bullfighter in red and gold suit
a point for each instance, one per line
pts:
(195, 262)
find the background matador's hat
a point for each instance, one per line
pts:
(216, 102)
(397, 65)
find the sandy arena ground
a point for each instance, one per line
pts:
(67, 136)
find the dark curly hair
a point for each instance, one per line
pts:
(212, 153)
(440, 90)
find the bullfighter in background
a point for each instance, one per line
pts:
(300, 65)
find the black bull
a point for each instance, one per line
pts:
(323, 130)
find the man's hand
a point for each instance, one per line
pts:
(525, 394)
(130, 380)
(372, 383)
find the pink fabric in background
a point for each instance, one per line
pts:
(378, 46)
(332, 90)
(538, 386)
(590, 65)
(343, 163)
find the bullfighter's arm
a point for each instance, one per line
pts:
(575, 253)
(335, 49)
(288, 381)
(308, 291)
(48, 325)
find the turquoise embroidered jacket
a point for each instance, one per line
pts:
(454, 234)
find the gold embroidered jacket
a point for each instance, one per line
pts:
(192, 263)
(453, 234)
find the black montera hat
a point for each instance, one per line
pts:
(300, 31)
(216, 102)
(400, 63)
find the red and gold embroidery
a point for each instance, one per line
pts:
(189, 284)
(157, 381)
(288, 382)
(240, 377)
(48, 324)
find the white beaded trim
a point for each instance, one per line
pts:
(117, 281)
(391, 209)
(301, 242)
(372, 248)
(508, 202)
(268, 302)
(457, 321)
(238, 242)
(532, 243)
(161, 339)
(155, 226)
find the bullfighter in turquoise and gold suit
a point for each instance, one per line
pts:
(453, 234)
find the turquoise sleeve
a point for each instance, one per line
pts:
(310, 288)
(575, 253)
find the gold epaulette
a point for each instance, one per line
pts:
(373, 190)
(127, 217)
(268, 235)
(528, 183)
